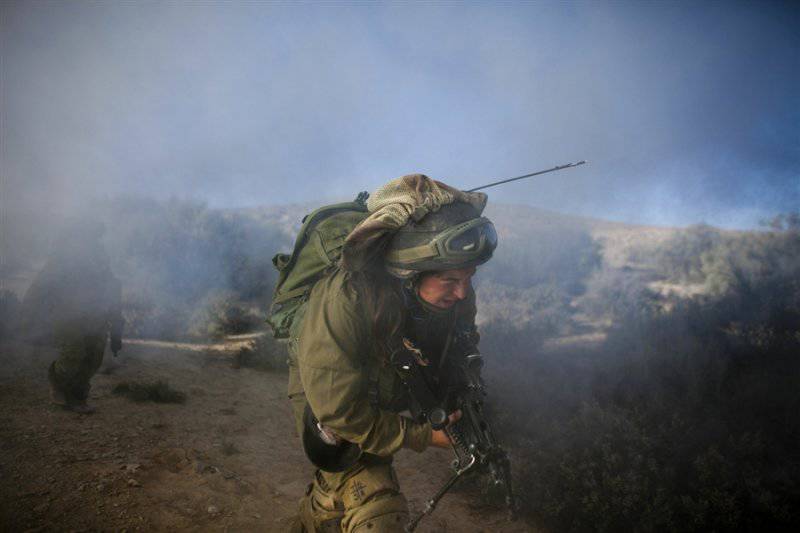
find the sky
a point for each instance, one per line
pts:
(686, 112)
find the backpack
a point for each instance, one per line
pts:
(316, 252)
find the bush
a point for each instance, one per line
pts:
(222, 313)
(178, 260)
(620, 294)
(263, 353)
(681, 258)
(149, 316)
(550, 255)
(158, 391)
(686, 418)
(535, 312)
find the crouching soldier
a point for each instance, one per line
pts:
(404, 278)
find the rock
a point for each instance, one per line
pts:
(213, 509)
(133, 483)
(100, 487)
(256, 515)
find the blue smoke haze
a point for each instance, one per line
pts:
(686, 111)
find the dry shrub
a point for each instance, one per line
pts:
(157, 391)
(263, 353)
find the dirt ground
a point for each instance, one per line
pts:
(226, 460)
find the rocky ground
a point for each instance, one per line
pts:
(225, 460)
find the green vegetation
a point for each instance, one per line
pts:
(263, 353)
(687, 417)
(157, 391)
(684, 417)
(527, 289)
(190, 271)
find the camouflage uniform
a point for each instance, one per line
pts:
(334, 365)
(75, 303)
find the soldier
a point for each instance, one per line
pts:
(405, 276)
(75, 303)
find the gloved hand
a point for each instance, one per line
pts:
(439, 437)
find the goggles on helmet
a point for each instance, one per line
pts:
(470, 242)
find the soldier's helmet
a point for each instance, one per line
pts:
(454, 237)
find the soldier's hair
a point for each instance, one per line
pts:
(382, 294)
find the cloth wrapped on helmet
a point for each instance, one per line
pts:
(392, 206)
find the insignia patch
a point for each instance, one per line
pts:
(358, 490)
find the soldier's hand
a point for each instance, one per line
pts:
(439, 437)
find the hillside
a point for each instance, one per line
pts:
(633, 373)
(225, 460)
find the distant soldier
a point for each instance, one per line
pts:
(75, 303)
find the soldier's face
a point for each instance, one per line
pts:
(446, 288)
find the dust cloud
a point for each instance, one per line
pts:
(641, 365)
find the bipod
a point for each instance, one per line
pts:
(431, 505)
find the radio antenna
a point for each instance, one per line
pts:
(560, 167)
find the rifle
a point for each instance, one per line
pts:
(473, 441)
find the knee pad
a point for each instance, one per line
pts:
(387, 513)
(319, 512)
(374, 502)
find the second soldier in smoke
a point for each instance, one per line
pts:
(75, 304)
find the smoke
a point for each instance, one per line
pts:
(640, 402)
(686, 113)
(151, 116)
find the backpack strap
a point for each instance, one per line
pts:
(294, 293)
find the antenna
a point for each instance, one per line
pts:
(560, 167)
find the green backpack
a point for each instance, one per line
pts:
(316, 252)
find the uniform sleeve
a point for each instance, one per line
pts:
(335, 342)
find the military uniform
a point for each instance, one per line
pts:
(336, 367)
(74, 303)
(414, 226)
(81, 340)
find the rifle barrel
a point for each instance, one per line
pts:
(560, 167)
